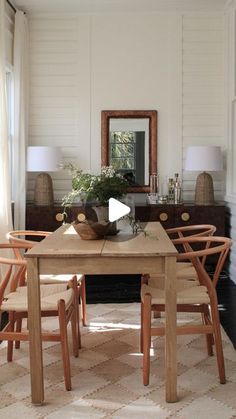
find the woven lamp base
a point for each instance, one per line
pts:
(43, 193)
(204, 191)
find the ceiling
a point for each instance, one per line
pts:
(97, 6)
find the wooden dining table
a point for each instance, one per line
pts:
(64, 252)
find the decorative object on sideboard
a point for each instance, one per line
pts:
(204, 158)
(152, 197)
(177, 189)
(171, 190)
(163, 199)
(43, 160)
(174, 190)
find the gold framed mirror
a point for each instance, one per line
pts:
(129, 144)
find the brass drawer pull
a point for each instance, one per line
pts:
(185, 216)
(163, 216)
(59, 216)
(81, 217)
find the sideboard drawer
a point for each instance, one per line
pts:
(42, 218)
(201, 214)
(163, 213)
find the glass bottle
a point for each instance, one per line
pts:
(154, 183)
(171, 189)
(177, 189)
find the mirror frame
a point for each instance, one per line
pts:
(105, 137)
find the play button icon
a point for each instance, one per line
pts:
(116, 210)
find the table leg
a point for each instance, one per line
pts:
(170, 338)
(34, 324)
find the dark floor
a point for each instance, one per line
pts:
(112, 288)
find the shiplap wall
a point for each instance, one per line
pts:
(82, 64)
(203, 93)
(57, 110)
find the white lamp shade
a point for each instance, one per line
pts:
(43, 159)
(204, 158)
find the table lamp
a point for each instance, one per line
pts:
(43, 160)
(204, 158)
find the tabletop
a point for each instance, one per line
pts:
(67, 243)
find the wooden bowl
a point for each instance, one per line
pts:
(91, 230)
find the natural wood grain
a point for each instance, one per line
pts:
(170, 322)
(34, 324)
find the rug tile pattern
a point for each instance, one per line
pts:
(107, 376)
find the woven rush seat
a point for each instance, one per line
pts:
(58, 279)
(185, 270)
(186, 275)
(185, 295)
(50, 295)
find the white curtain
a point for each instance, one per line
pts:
(5, 183)
(21, 81)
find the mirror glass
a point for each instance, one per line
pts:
(129, 144)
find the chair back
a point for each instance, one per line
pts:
(194, 230)
(212, 245)
(15, 269)
(19, 237)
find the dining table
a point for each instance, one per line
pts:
(63, 252)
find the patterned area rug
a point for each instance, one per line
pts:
(107, 376)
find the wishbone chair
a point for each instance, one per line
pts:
(61, 304)
(202, 299)
(19, 237)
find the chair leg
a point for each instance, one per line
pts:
(11, 321)
(141, 328)
(18, 329)
(83, 301)
(218, 341)
(146, 338)
(64, 343)
(209, 338)
(74, 330)
(77, 290)
(78, 320)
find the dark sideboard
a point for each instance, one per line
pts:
(170, 215)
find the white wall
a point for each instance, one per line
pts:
(203, 92)
(82, 64)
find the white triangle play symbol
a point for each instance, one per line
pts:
(116, 210)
